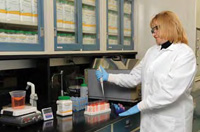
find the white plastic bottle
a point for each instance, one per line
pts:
(84, 89)
(34, 11)
(2, 9)
(3, 36)
(13, 10)
(64, 106)
(26, 10)
(59, 7)
(72, 18)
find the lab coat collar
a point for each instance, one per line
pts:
(171, 47)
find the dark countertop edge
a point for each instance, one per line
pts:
(95, 127)
(109, 122)
(16, 57)
(98, 127)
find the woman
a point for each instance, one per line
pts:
(166, 73)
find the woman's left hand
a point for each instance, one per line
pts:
(131, 111)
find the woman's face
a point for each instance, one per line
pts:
(155, 33)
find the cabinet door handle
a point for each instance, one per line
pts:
(128, 124)
(41, 32)
(55, 32)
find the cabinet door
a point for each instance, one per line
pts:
(21, 25)
(113, 25)
(128, 124)
(120, 24)
(90, 24)
(76, 23)
(105, 129)
(127, 25)
(66, 17)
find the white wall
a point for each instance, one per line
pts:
(146, 9)
(198, 13)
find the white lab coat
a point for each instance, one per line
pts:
(166, 76)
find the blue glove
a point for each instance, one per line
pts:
(131, 111)
(102, 74)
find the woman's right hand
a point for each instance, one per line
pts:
(101, 73)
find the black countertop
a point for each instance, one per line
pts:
(78, 122)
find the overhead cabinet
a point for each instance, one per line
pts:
(76, 25)
(120, 25)
(21, 25)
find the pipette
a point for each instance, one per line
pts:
(101, 82)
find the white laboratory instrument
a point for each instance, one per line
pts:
(101, 82)
(47, 113)
(25, 116)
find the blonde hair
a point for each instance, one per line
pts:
(169, 27)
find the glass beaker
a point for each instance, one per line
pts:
(18, 99)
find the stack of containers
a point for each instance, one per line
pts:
(59, 38)
(93, 19)
(72, 38)
(12, 35)
(17, 36)
(99, 107)
(85, 17)
(67, 15)
(19, 10)
(89, 19)
(73, 12)
(35, 34)
(127, 25)
(127, 41)
(26, 10)
(3, 36)
(112, 4)
(91, 2)
(79, 103)
(127, 7)
(22, 36)
(110, 21)
(64, 38)
(113, 22)
(113, 40)
(89, 39)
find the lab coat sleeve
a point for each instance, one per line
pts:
(127, 80)
(177, 82)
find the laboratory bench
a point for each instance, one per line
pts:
(78, 122)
